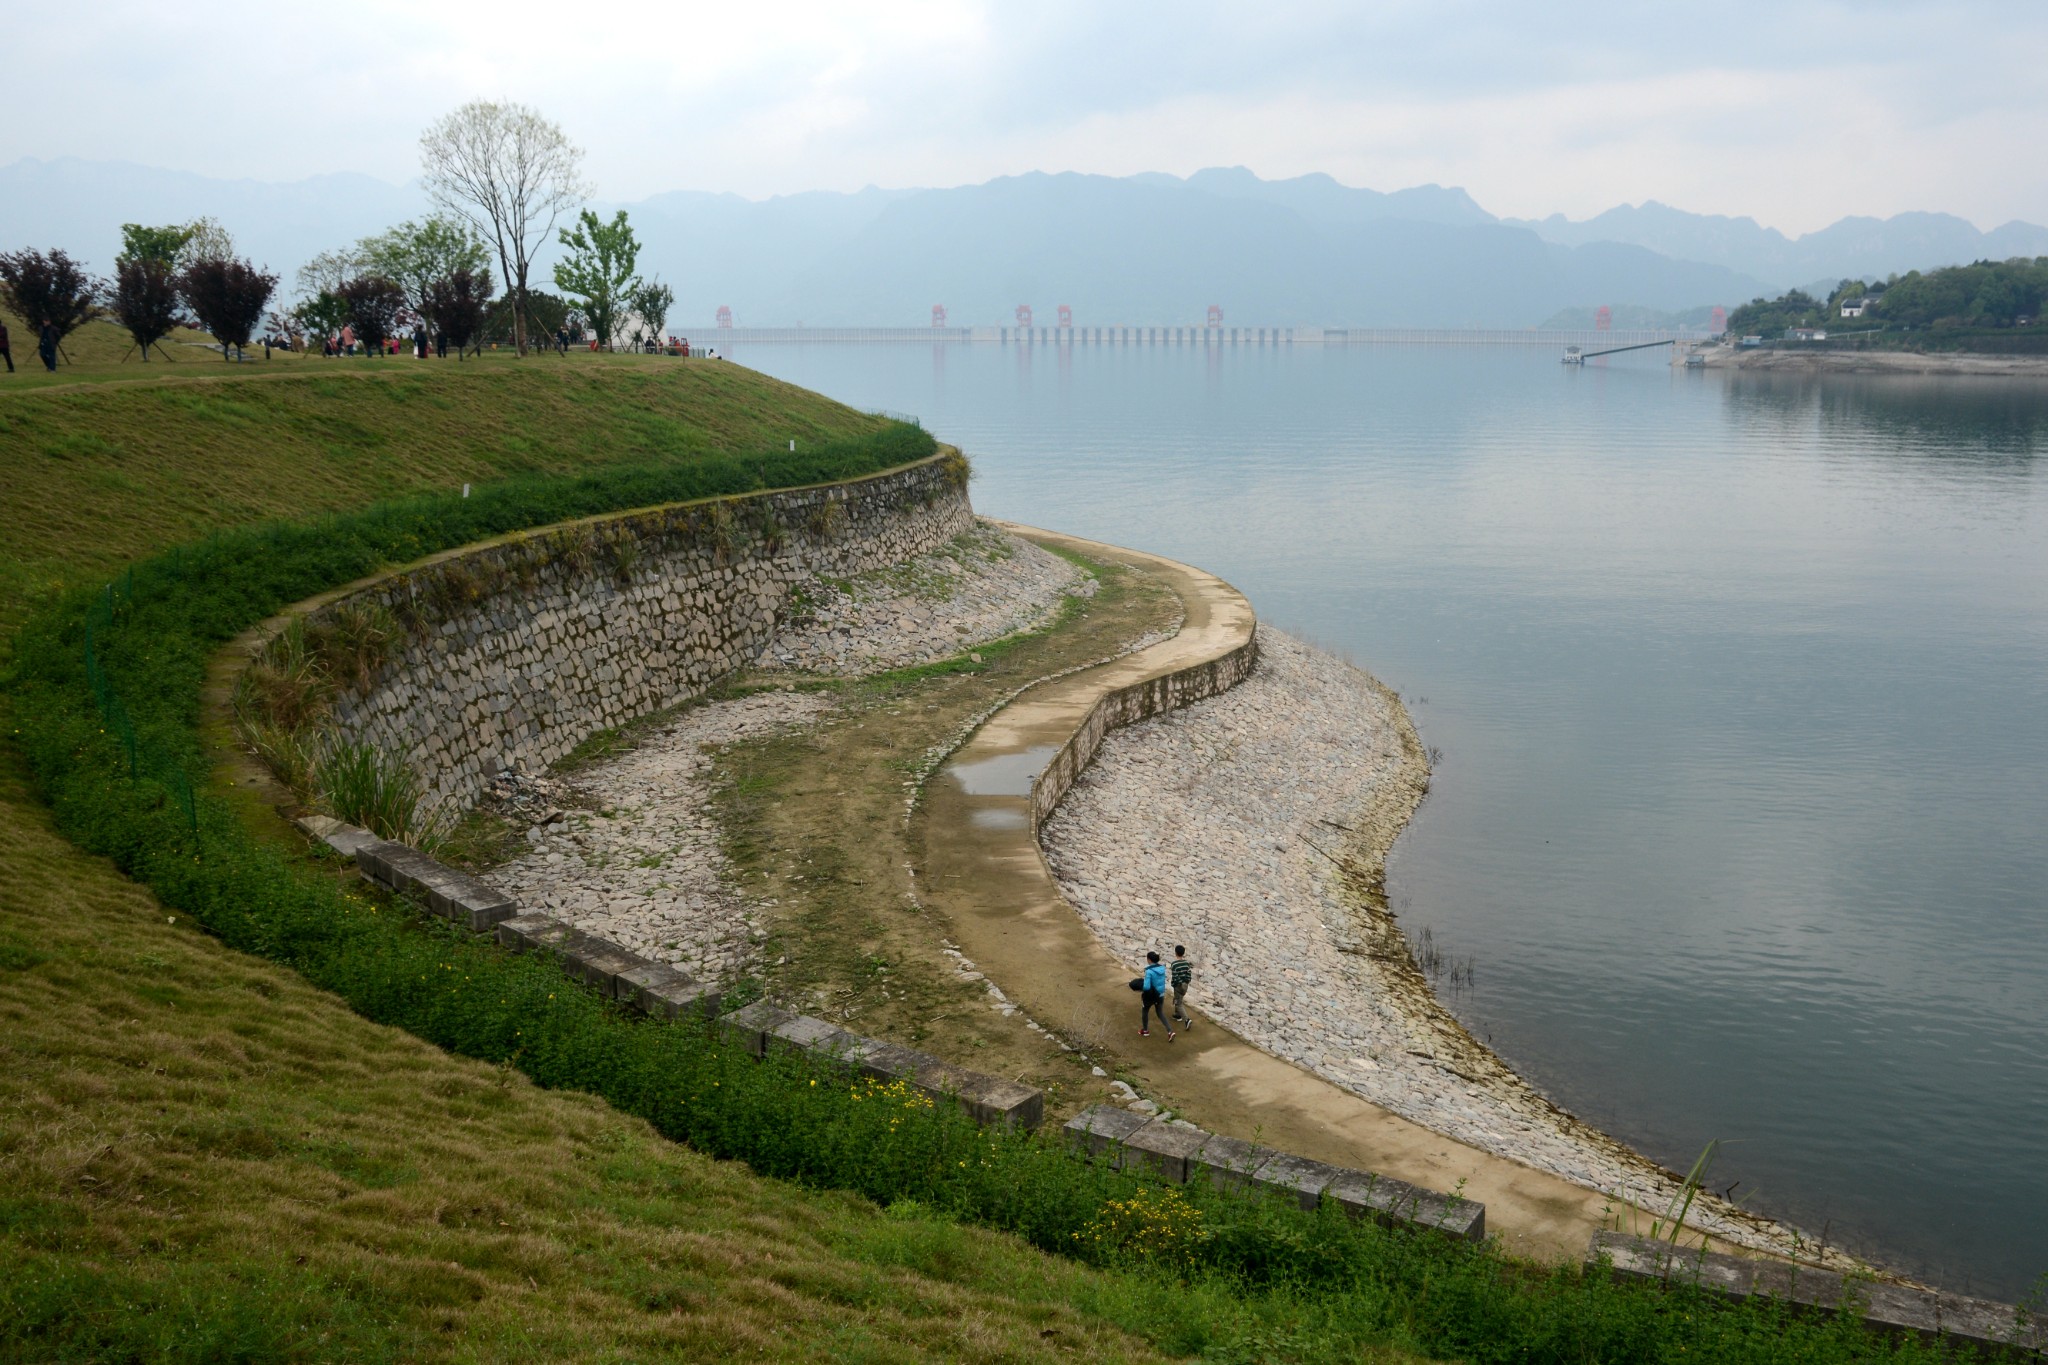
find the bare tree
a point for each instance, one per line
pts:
(511, 174)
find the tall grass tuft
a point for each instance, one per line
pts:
(365, 786)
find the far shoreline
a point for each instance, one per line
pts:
(1817, 361)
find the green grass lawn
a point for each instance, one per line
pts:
(204, 1158)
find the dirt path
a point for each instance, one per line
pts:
(983, 871)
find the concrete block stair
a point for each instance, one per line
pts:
(666, 992)
(1180, 1152)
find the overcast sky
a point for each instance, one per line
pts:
(1794, 112)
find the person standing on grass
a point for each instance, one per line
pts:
(1154, 998)
(1182, 972)
(46, 346)
(6, 348)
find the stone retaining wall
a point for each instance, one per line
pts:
(1128, 705)
(515, 652)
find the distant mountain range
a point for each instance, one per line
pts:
(1147, 248)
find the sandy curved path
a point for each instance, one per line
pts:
(984, 870)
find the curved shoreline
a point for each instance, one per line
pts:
(1255, 826)
(1010, 912)
(1876, 362)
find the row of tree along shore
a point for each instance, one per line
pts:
(502, 178)
(1988, 306)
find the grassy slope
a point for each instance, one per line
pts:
(94, 474)
(201, 1157)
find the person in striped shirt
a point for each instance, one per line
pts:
(1181, 973)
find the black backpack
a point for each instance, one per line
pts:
(1137, 983)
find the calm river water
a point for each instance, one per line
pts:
(1740, 684)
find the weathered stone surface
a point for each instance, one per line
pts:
(531, 932)
(1395, 1203)
(1899, 1309)
(987, 1099)
(750, 1027)
(1165, 1148)
(583, 636)
(1226, 1162)
(641, 987)
(881, 1060)
(444, 890)
(345, 839)
(600, 962)
(1102, 1129)
(805, 1034)
(1296, 1176)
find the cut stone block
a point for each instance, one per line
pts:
(686, 998)
(1103, 1129)
(445, 891)
(1395, 1203)
(749, 1027)
(343, 838)
(805, 1034)
(530, 932)
(987, 1099)
(1928, 1314)
(598, 962)
(1227, 1162)
(881, 1060)
(1297, 1176)
(1164, 1148)
(664, 991)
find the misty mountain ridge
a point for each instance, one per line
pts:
(1148, 248)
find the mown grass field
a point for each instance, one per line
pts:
(204, 1158)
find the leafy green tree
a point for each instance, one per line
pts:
(375, 306)
(416, 255)
(1770, 317)
(52, 288)
(160, 244)
(650, 304)
(598, 272)
(145, 298)
(1986, 294)
(228, 296)
(543, 314)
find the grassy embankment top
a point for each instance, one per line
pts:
(100, 469)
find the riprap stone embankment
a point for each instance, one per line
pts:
(635, 857)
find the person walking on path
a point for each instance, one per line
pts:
(46, 346)
(6, 348)
(1154, 998)
(1181, 973)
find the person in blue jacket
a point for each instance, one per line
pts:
(1154, 998)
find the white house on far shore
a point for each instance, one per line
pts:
(1853, 308)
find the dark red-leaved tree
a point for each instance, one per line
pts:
(145, 300)
(48, 287)
(375, 305)
(456, 304)
(229, 297)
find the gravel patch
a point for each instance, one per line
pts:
(982, 586)
(1223, 826)
(632, 853)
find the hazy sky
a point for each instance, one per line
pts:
(1794, 112)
